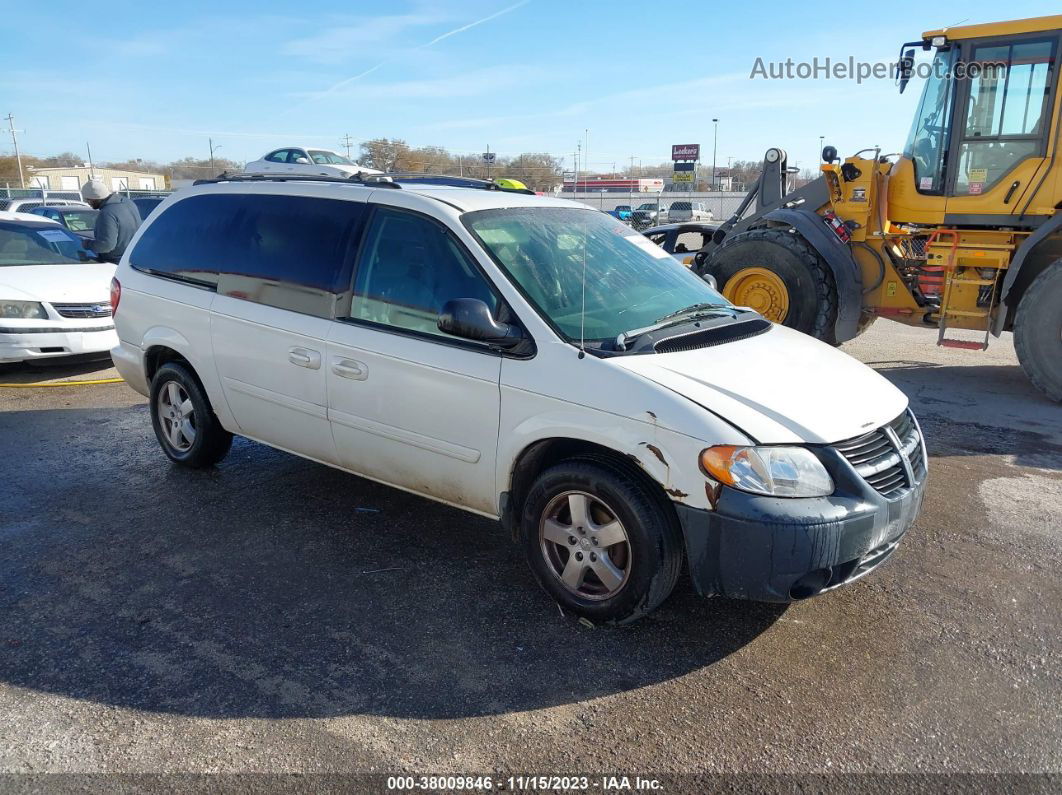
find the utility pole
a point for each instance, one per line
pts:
(92, 168)
(212, 150)
(715, 147)
(347, 142)
(14, 141)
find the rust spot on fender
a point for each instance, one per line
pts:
(652, 448)
(678, 494)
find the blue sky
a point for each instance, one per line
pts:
(155, 80)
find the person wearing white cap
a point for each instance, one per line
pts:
(116, 223)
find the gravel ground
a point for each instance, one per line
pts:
(274, 615)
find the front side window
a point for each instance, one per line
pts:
(1007, 111)
(409, 268)
(927, 143)
(589, 275)
(279, 156)
(283, 251)
(37, 244)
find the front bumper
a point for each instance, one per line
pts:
(20, 346)
(771, 549)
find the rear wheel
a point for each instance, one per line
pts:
(778, 274)
(1038, 331)
(600, 541)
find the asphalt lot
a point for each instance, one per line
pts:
(276, 615)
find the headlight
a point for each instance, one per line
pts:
(774, 471)
(23, 309)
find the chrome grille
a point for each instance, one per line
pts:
(879, 456)
(98, 309)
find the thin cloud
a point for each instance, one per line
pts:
(442, 37)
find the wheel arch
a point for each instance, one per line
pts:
(539, 455)
(838, 256)
(1039, 250)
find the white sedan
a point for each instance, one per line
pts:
(303, 160)
(53, 300)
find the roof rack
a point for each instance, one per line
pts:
(374, 180)
(354, 179)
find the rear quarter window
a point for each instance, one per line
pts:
(284, 251)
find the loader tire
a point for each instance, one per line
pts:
(780, 275)
(1038, 331)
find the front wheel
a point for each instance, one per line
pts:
(1038, 331)
(185, 424)
(599, 541)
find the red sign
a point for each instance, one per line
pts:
(685, 151)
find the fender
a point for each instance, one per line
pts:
(846, 273)
(1045, 230)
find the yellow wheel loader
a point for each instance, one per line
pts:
(962, 230)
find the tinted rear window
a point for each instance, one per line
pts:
(284, 251)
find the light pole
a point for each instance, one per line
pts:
(821, 139)
(715, 146)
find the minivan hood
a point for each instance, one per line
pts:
(84, 282)
(779, 387)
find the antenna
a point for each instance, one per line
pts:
(582, 311)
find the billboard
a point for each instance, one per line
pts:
(685, 151)
(682, 176)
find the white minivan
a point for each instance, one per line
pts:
(523, 358)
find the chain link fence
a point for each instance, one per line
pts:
(721, 205)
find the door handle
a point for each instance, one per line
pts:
(349, 368)
(304, 357)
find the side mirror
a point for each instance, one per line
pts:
(904, 69)
(711, 281)
(302, 161)
(471, 319)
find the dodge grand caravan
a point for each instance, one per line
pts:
(523, 358)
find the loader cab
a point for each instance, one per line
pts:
(981, 142)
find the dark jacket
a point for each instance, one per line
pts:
(118, 220)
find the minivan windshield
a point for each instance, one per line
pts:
(563, 258)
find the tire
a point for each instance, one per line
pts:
(648, 560)
(1038, 331)
(811, 293)
(176, 397)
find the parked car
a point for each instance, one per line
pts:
(688, 211)
(648, 214)
(621, 212)
(306, 160)
(145, 204)
(523, 358)
(29, 204)
(682, 241)
(78, 218)
(53, 301)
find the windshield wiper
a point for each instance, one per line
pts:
(692, 309)
(671, 319)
